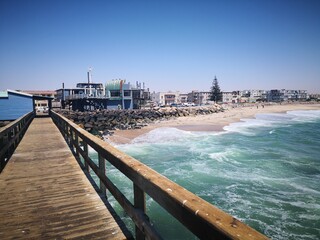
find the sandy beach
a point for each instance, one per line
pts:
(211, 122)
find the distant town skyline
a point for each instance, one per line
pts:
(169, 45)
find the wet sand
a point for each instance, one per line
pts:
(211, 122)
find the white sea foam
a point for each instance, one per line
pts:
(247, 126)
(161, 135)
(304, 188)
(305, 116)
(312, 217)
(219, 156)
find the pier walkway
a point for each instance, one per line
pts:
(45, 195)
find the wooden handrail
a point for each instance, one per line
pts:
(200, 217)
(11, 135)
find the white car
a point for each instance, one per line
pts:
(39, 109)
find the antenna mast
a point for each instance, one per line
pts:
(89, 75)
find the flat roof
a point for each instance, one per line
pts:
(38, 97)
(35, 97)
(19, 93)
(39, 92)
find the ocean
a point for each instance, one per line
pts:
(264, 171)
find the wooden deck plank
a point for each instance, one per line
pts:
(44, 194)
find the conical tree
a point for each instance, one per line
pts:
(216, 94)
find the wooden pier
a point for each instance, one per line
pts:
(44, 194)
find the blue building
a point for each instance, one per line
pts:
(119, 94)
(14, 104)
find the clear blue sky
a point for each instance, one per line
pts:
(169, 45)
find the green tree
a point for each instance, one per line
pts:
(216, 94)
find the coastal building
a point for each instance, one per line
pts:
(198, 97)
(231, 97)
(115, 94)
(119, 94)
(275, 95)
(91, 89)
(227, 97)
(14, 104)
(245, 93)
(205, 97)
(294, 95)
(287, 95)
(140, 97)
(183, 98)
(314, 97)
(166, 98)
(252, 96)
(257, 96)
(86, 96)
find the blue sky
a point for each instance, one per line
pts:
(169, 45)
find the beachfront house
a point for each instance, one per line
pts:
(294, 95)
(165, 98)
(199, 97)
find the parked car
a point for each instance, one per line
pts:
(188, 104)
(39, 109)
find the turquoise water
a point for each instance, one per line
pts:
(263, 171)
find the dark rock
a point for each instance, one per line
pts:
(88, 125)
(102, 122)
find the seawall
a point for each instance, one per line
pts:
(104, 122)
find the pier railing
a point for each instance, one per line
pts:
(200, 217)
(11, 135)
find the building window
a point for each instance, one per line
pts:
(170, 96)
(115, 93)
(126, 93)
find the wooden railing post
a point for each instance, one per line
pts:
(65, 130)
(67, 133)
(70, 132)
(86, 152)
(102, 168)
(139, 203)
(76, 144)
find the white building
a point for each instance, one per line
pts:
(294, 95)
(227, 97)
(183, 98)
(198, 97)
(253, 95)
(231, 97)
(166, 98)
(258, 95)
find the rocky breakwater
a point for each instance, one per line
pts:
(104, 122)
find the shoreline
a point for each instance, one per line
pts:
(208, 123)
